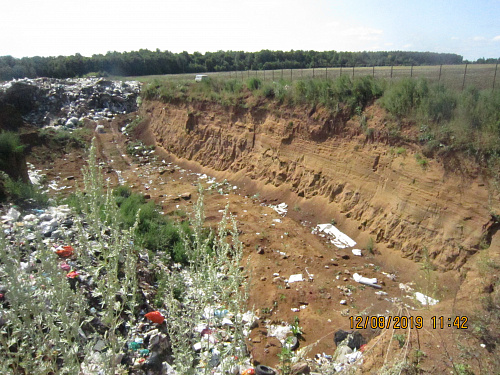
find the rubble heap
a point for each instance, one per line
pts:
(67, 102)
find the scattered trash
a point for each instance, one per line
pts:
(155, 317)
(295, 278)
(366, 281)
(357, 252)
(281, 208)
(425, 300)
(65, 251)
(65, 103)
(12, 215)
(279, 331)
(335, 236)
(72, 275)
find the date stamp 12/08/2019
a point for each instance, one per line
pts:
(407, 322)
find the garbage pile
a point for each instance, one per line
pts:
(67, 102)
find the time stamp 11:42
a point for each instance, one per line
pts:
(405, 322)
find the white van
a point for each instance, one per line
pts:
(200, 77)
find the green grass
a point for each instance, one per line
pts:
(21, 192)
(154, 231)
(452, 76)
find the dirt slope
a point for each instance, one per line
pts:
(386, 193)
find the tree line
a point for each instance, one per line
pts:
(146, 62)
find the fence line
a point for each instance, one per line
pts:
(481, 76)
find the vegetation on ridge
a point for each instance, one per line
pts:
(145, 62)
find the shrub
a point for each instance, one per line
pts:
(404, 96)
(11, 150)
(440, 104)
(22, 192)
(254, 84)
(60, 138)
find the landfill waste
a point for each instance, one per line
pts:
(425, 300)
(279, 331)
(366, 281)
(281, 208)
(155, 317)
(354, 340)
(357, 252)
(335, 236)
(65, 103)
(295, 278)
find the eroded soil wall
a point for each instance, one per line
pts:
(401, 202)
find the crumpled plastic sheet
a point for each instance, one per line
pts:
(335, 236)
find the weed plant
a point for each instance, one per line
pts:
(42, 321)
(211, 283)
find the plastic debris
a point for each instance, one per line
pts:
(335, 236)
(65, 251)
(12, 215)
(65, 266)
(155, 317)
(366, 281)
(295, 278)
(134, 345)
(425, 300)
(279, 331)
(72, 275)
(357, 252)
(249, 371)
(281, 208)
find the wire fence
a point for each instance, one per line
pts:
(481, 76)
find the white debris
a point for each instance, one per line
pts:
(357, 252)
(295, 278)
(335, 236)
(280, 332)
(366, 280)
(425, 300)
(12, 215)
(405, 287)
(281, 208)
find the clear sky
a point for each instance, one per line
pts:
(469, 28)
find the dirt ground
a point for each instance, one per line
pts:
(278, 246)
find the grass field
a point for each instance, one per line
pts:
(481, 76)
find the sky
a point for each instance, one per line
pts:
(64, 27)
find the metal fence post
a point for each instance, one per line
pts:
(495, 76)
(373, 71)
(340, 70)
(264, 74)
(465, 73)
(392, 66)
(411, 71)
(353, 72)
(313, 72)
(440, 68)
(326, 73)
(291, 75)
